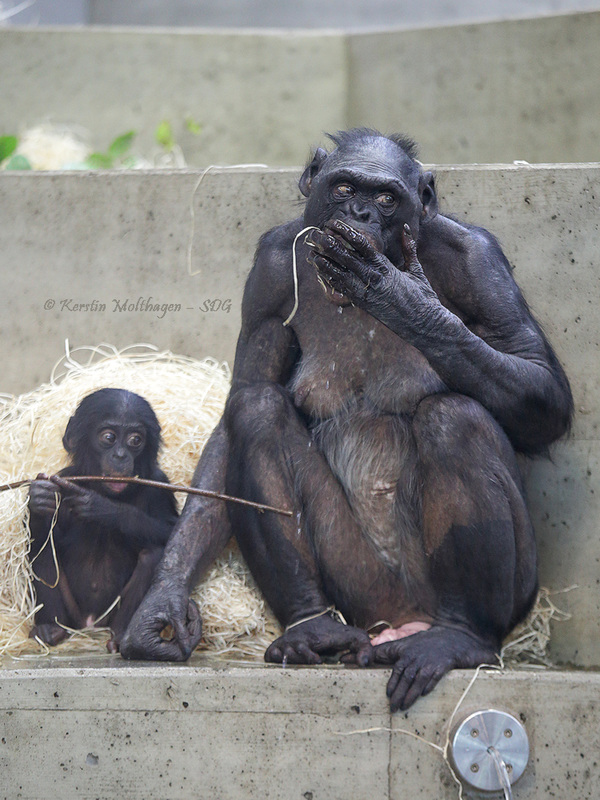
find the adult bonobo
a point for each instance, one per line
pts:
(107, 536)
(385, 407)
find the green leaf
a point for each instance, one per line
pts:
(193, 126)
(164, 135)
(18, 162)
(121, 144)
(8, 145)
(99, 161)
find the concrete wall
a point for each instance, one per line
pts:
(486, 93)
(68, 240)
(346, 14)
(341, 14)
(491, 93)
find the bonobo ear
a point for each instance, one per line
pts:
(311, 170)
(428, 196)
(69, 436)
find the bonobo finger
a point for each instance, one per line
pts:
(340, 280)
(356, 239)
(273, 654)
(401, 688)
(364, 654)
(389, 652)
(194, 622)
(68, 486)
(307, 655)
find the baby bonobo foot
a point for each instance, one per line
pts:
(422, 659)
(50, 633)
(306, 642)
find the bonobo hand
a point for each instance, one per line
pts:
(42, 495)
(306, 642)
(87, 504)
(164, 605)
(421, 660)
(351, 265)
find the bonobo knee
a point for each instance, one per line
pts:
(256, 408)
(452, 422)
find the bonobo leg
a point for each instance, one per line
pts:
(58, 603)
(479, 541)
(315, 559)
(132, 595)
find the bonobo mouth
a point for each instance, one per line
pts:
(116, 486)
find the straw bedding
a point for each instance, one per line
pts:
(188, 397)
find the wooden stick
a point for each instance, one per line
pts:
(171, 487)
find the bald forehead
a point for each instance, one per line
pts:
(374, 156)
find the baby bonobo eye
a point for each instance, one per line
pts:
(342, 191)
(135, 441)
(107, 437)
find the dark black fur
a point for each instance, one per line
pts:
(108, 536)
(386, 411)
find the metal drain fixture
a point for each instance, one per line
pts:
(490, 750)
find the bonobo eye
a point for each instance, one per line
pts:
(386, 200)
(135, 441)
(107, 437)
(343, 191)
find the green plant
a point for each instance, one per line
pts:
(115, 153)
(8, 145)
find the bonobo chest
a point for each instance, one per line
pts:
(347, 355)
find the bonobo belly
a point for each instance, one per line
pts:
(374, 457)
(97, 575)
(359, 360)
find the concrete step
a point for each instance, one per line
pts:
(105, 728)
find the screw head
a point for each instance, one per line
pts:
(474, 733)
(474, 767)
(508, 733)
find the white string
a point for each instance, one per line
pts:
(192, 212)
(295, 272)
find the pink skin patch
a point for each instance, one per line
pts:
(391, 634)
(116, 486)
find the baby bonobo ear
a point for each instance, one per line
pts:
(428, 196)
(311, 170)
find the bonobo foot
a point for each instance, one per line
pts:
(306, 642)
(50, 632)
(422, 659)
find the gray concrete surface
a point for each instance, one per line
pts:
(104, 728)
(494, 92)
(346, 14)
(72, 240)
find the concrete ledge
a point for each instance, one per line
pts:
(214, 729)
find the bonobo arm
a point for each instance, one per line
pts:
(145, 520)
(498, 355)
(203, 528)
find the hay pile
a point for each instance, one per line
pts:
(188, 397)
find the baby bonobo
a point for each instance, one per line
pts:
(382, 396)
(108, 536)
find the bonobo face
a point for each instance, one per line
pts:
(117, 446)
(373, 186)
